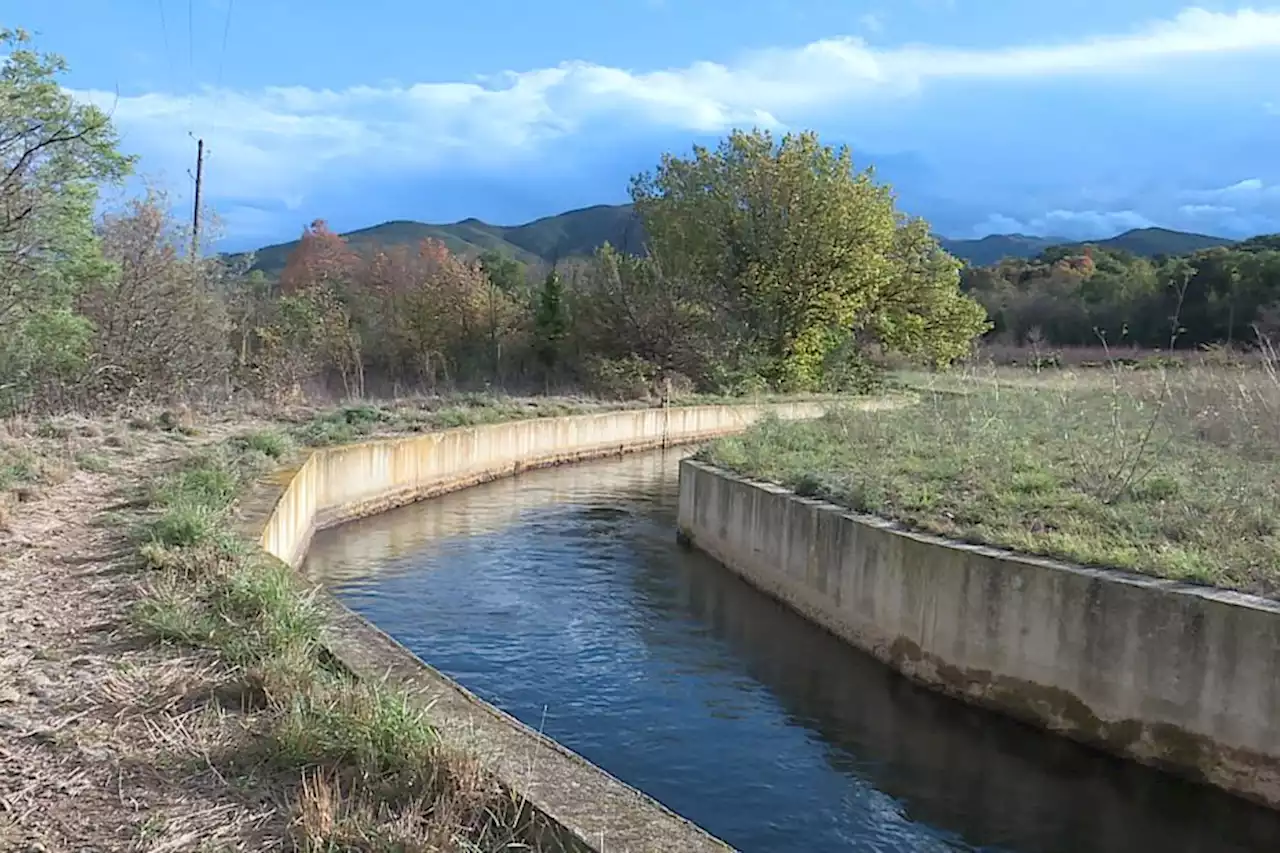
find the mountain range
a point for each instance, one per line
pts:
(580, 232)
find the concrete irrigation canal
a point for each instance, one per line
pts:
(562, 597)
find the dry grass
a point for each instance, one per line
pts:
(428, 414)
(362, 765)
(183, 743)
(39, 453)
(1101, 355)
(1174, 473)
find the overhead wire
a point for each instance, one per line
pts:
(191, 44)
(226, 31)
(164, 35)
(191, 85)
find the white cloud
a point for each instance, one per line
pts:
(872, 23)
(279, 141)
(1243, 193)
(1205, 209)
(1075, 224)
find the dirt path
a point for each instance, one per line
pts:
(109, 743)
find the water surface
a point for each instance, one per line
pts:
(561, 597)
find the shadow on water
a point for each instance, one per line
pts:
(562, 597)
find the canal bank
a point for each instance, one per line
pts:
(1180, 677)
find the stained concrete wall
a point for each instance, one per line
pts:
(1181, 677)
(596, 811)
(349, 481)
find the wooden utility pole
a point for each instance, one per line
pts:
(195, 212)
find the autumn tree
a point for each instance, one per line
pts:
(322, 271)
(54, 153)
(1080, 296)
(160, 323)
(437, 313)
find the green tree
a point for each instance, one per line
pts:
(54, 153)
(799, 246)
(507, 274)
(507, 279)
(551, 322)
(922, 311)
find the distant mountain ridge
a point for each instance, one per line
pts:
(551, 238)
(1145, 242)
(581, 232)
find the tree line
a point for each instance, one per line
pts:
(771, 264)
(1082, 296)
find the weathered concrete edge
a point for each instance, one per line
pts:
(1213, 593)
(1249, 774)
(517, 754)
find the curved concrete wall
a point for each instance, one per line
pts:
(1181, 677)
(594, 810)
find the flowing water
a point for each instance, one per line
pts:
(561, 597)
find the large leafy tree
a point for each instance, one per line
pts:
(800, 247)
(922, 311)
(54, 153)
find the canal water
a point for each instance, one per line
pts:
(561, 597)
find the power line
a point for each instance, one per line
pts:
(164, 34)
(226, 30)
(191, 45)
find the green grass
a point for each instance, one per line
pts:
(1174, 475)
(272, 444)
(94, 463)
(364, 420)
(365, 768)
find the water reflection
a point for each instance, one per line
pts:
(398, 541)
(561, 596)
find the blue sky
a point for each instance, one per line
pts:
(1078, 118)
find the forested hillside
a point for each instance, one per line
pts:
(1081, 296)
(578, 233)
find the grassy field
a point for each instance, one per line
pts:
(1173, 473)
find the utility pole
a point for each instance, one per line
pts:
(195, 212)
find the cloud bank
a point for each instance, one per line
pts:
(274, 146)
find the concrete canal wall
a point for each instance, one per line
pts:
(1182, 677)
(581, 806)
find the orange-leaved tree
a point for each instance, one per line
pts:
(322, 272)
